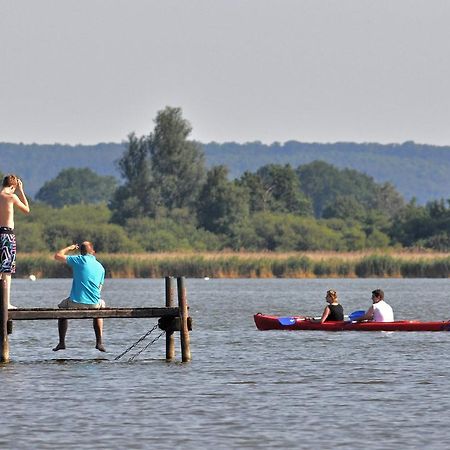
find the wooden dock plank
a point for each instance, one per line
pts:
(56, 313)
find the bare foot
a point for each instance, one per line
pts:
(100, 348)
(12, 307)
(59, 347)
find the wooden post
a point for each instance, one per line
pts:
(170, 340)
(184, 331)
(4, 344)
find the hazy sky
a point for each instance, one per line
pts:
(89, 71)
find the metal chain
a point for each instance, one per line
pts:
(137, 342)
(145, 348)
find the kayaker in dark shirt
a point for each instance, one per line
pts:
(334, 310)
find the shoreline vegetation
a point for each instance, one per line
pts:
(376, 264)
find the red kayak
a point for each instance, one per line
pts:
(265, 322)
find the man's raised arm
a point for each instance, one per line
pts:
(20, 199)
(61, 255)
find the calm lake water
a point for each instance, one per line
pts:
(244, 388)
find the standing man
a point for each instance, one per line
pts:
(88, 279)
(380, 311)
(8, 200)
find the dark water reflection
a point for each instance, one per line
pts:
(244, 388)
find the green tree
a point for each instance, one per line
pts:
(284, 232)
(136, 197)
(73, 186)
(50, 228)
(344, 207)
(167, 234)
(324, 184)
(177, 163)
(319, 181)
(377, 239)
(222, 205)
(31, 237)
(106, 237)
(351, 233)
(275, 188)
(410, 225)
(256, 191)
(388, 200)
(424, 226)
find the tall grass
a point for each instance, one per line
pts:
(378, 266)
(439, 268)
(250, 265)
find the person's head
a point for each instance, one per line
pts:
(377, 295)
(331, 296)
(87, 248)
(10, 181)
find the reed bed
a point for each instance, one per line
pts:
(253, 265)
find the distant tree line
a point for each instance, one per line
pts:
(417, 170)
(169, 201)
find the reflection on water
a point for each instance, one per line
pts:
(244, 388)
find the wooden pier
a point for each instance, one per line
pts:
(172, 318)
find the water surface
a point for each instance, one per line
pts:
(244, 388)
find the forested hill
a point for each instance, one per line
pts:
(421, 171)
(37, 164)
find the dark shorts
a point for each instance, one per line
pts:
(7, 250)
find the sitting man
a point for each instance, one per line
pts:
(380, 311)
(88, 278)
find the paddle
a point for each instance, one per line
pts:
(287, 321)
(356, 315)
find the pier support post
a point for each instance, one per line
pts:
(4, 344)
(170, 340)
(184, 331)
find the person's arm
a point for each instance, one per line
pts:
(102, 282)
(61, 255)
(367, 316)
(20, 200)
(322, 319)
(325, 314)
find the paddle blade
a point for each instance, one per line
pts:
(287, 320)
(356, 314)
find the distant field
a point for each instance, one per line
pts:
(408, 264)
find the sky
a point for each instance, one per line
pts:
(90, 71)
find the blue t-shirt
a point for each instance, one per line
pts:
(88, 275)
